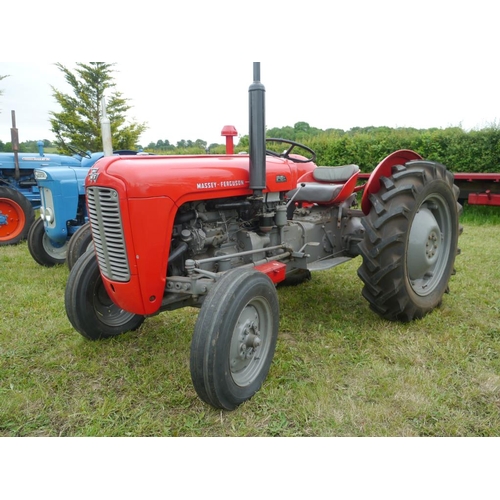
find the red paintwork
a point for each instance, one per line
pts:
(346, 191)
(275, 270)
(384, 168)
(479, 188)
(486, 198)
(16, 221)
(461, 176)
(466, 176)
(197, 177)
(476, 188)
(229, 131)
(152, 188)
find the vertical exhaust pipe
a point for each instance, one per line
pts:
(257, 133)
(15, 145)
(107, 143)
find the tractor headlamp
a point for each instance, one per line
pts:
(40, 175)
(48, 215)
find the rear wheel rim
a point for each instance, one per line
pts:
(430, 241)
(14, 219)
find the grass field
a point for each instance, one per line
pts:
(339, 370)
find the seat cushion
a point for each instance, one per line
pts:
(335, 174)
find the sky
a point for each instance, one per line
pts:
(356, 64)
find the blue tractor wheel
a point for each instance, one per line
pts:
(45, 251)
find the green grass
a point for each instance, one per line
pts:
(339, 370)
(480, 214)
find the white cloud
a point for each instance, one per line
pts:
(417, 64)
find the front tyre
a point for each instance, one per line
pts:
(79, 243)
(42, 248)
(411, 241)
(235, 338)
(88, 306)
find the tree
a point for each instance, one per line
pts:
(1, 78)
(199, 143)
(302, 127)
(79, 122)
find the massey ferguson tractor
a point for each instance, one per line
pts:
(220, 232)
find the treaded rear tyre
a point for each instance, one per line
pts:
(411, 241)
(296, 278)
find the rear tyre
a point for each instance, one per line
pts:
(79, 243)
(411, 241)
(235, 338)
(296, 278)
(41, 247)
(16, 216)
(88, 306)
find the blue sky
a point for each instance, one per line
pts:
(398, 64)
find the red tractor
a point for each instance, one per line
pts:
(220, 232)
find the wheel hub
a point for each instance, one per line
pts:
(250, 341)
(11, 219)
(424, 244)
(246, 345)
(432, 245)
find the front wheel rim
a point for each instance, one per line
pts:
(108, 312)
(57, 253)
(250, 341)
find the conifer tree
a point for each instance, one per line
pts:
(79, 122)
(1, 78)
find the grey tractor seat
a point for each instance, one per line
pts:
(330, 181)
(335, 174)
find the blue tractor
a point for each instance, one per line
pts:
(19, 192)
(62, 232)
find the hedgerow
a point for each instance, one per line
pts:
(460, 150)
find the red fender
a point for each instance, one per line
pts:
(384, 168)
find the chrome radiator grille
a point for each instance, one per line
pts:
(107, 233)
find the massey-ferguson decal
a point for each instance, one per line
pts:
(221, 184)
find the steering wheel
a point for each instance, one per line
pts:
(287, 152)
(78, 151)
